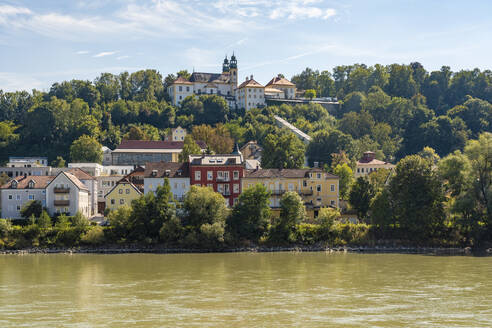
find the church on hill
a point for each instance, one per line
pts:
(249, 94)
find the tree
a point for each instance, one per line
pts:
(476, 113)
(360, 196)
(86, 150)
(58, 162)
(31, 208)
(292, 212)
(218, 139)
(284, 151)
(417, 197)
(4, 178)
(205, 216)
(251, 215)
(7, 133)
(324, 143)
(310, 93)
(345, 174)
(401, 82)
(189, 148)
(44, 221)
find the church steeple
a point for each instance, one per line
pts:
(225, 65)
(233, 63)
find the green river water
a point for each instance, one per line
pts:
(245, 290)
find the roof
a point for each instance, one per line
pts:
(181, 80)
(147, 144)
(372, 162)
(285, 173)
(251, 83)
(174, 170)
(135, 177)
(123, 181)
(209, 77)
(81, 174)
(273, 90)
(75, 181)
(280, 81)
(219, 159)
(41, 181)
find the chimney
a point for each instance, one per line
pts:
(246, 78)
(251, 77)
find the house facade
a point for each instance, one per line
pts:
(368, 164)
(317, 188)
(280, 87)
(178, 175)
(176, 134)
(67, 194)
(250, 94)
(19, 191)
(122, 194)
(223, 173)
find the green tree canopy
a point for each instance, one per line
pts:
(86, 150)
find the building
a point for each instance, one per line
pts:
(91, 183)
(176, 134)
(106, 155)
(250, 94)
(178, 175)
(139, 152)
(13, 172)
(280, 87)
(223, 173)
(123, 193)
(27, 162)
(368, 163)
(105, 184)
(21, 190)
(222, 84)
(317, 188)
(68, 195)
(251, 150)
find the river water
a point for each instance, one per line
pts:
(245, 290)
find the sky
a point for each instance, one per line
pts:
(48, 41)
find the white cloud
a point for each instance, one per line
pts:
(82, 52)
(7, 10)
(104, 54)
(301, 10)
(14, 82)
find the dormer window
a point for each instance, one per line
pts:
(31, 184)
(14, 184)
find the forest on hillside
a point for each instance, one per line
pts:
(394, 110)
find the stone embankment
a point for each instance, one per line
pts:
(166, 250)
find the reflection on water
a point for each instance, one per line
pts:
(245, 290)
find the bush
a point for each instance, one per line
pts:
(307, 233)
(94, 236)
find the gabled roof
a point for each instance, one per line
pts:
(176, 170)
(251, 83)
(273, 90)
(147, 144)
(80, 174)
(136, 178)
(285, 173)
(373, 162)
(123, 181)
(40, 182)
(75, 181)
(280, 81)
(181, 80)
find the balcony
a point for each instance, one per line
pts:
(226, 193)
(278, 192)
(223, 179)
(61, 202)
(306, 193)
(61, 190)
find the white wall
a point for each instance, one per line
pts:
(11, 207)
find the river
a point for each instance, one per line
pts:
(245, 290)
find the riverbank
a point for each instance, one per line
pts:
(259, 249)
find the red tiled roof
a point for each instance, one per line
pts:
(147, 144)
(372, 162)
(251, 83)
(41, 181)
(280, 81)
(76, 181)
(181, 80)
(81, 174)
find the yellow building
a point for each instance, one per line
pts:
(122, 194)
(317, 188)
(368, 164)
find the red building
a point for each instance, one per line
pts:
(221, 172)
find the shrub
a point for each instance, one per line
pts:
(94, 236)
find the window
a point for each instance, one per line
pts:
(332, 202)
(112, 201)
(304, 183)
(18, 207)
(362, 170)
(291, 186)
(318, 175)
(332, 187)
(226, 176)
(318, 188)
(198, 175)
(122, 201)
(10, 197)
(236, 175)
(236, 188)
(31, 197)
(187, 89)
(120, 191)
(220, 187)
(235, 201)
(210, 175)
(127, 191)
(18, 197)
(180, 88)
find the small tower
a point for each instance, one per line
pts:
(225, 65)
(233, 73)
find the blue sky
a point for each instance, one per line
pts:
(45, 41)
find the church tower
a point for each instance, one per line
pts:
(233, 73)
(225, 65)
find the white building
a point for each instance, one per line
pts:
(177, 134)
(280, 87)
(67, 194)
(177, 174)
(368, 164)
(250, 94)
(21, 190)
(91, 183)
(106, 155)
(27, 162)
